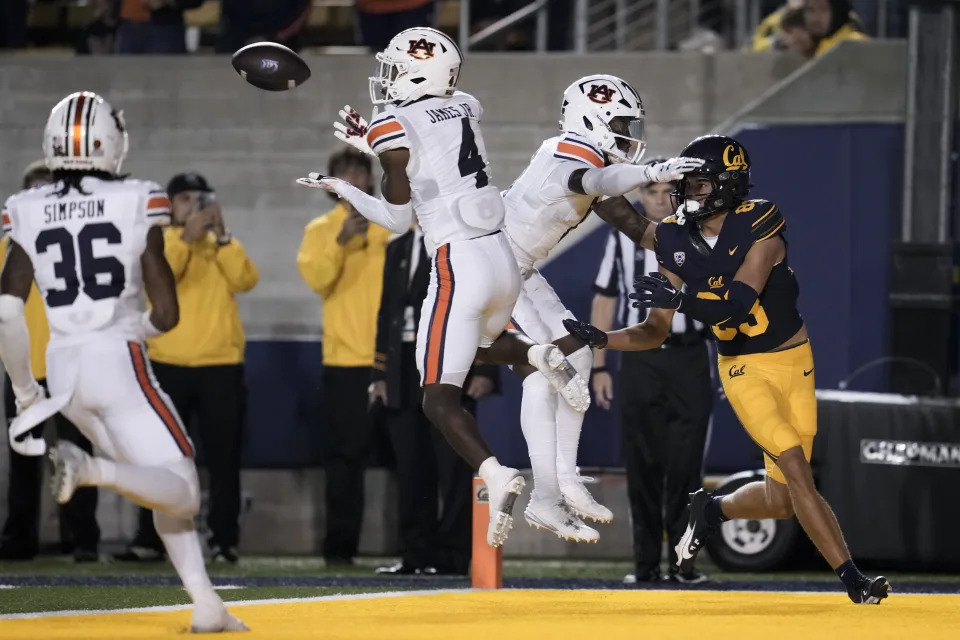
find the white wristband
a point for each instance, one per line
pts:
(149, 331)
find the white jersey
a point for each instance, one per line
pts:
(540, 206)
(451, 193)
(86, 250)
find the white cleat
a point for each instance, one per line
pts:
(550, 361)
(67, 459)
(502, 496)
(555, 517)
(581, 502)
(213, 617)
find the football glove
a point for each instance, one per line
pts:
(353, 130)
(655, 290)
(586, 333)
(673, 169)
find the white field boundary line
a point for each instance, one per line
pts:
(398, 594)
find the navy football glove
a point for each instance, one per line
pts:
(586, 333)
(655, 290)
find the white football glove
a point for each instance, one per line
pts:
(353, 130)
(673, 169)
(319, 181)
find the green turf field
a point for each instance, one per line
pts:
(64, 585)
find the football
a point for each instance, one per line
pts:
(270, 66)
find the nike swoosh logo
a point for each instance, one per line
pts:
(806, 373)
(734, 250)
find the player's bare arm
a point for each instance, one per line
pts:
(649, 334)
(622, 216)
(17, 273)
(395, 185)
(159, 283)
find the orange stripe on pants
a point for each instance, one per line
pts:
(156, 402)
(438, 319)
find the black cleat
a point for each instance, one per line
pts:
(871, 591)
(696, 534)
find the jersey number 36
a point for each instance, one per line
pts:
(90, 266)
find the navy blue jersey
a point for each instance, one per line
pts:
(708, 273)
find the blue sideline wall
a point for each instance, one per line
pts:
(840, 188)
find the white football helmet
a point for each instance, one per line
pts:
(608, 112)
(84, 133)
(417, 62)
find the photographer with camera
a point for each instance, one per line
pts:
(199, 363)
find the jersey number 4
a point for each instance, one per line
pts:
(90, 267)
(470, 159)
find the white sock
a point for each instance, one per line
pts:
(538, 411)
(183, 547)
(489, 469)
(569, 422)
(150, 487)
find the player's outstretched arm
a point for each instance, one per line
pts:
(393, 210)
(15, 284)
(618, 179)
(621, 215)
(160, 286)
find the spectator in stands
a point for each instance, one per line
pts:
(767, 35)
(425, 461)
(341, 258)
(13, 24)
(794, 36)
(153, 26)
(78, 522)
(199, 363)
(246, 21)
(831, 22)
(379, 20)
(99, 36)
(665, 404)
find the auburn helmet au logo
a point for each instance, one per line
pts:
(734, 158)
(601, 93)
(421, 49)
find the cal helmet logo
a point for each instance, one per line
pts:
(715, 282)
(680, 257)
(733, 158)
(421, 49)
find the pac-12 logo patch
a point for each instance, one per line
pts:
(679, 257)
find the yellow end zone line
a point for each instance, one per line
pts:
(424, 592)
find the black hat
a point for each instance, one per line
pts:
(190, 181)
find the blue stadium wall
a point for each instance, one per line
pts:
(839, 187)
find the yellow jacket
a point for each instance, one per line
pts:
(846, 32)
(208, 276)
(767, 30)
(37, 325)
(349, 279)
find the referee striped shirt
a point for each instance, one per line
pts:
(623, 261)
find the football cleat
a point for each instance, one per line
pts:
(550, 361)
(697, 532)
(579, 500)
(67, 459)
(871, 591)
(502, 495)
(555, 517)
